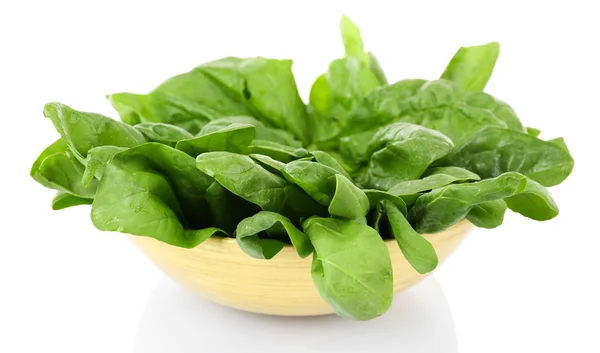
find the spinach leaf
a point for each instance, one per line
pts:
(440, 105)
(63, 172)
(493, 151)
(401, 152)
(326, 159)
(156, 191)
(348, 201)
(418, 251)
(244, 177)
(83, 131)
(355, 147)
(163, 133)
(444, 207)
(534, 201)
(97, 158)
(188, 101)
(226, 208)
(531, 131)
(436, 177)
(376, 196)
(234, 138)
(64, 200)
(489, 214)
(376, 69)
(267, 87)
(472, 67)
(263, 132)
(277, 151)
(272, 165)
(351, 267)
(252, 235)
(328, 187)
(58, 146)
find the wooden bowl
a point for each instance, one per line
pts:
(219, 270)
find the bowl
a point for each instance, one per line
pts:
(220, 271)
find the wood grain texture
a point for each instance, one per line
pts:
(218, 270)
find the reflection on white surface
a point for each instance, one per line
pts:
(177, 321)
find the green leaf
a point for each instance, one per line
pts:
(63, 172)
(401, 152)
(353, 43)
(97, 158)
(472, 67)
(272, 165)
(226, 208)
(493, 151)
(83, 131)
(418, 251)
(326, 159)
(64, 200)
(436, 177)
(318, 180)
(376, 69)
(440, 105)
(446, 206)
(234, 138)
(277, 151)
(156, 191)
(376, 196)
(267, 86)
(252, 235)
(58, 146)
(188, 101)
(531, 131)
(244, 177)
(488, 214)
(163, 133)
(263, 132)
(348, 200)
(351, 267)
(534, 202)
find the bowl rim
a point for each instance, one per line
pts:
(228, 241)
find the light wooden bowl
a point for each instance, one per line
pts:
(219, 270)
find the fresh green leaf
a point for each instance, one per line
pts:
(401, 152)
(163, 133)
(318, 180)
(376, 196)
(534, 202)
(472, 67)
(63, 172)
(83, 131)
(326, 159)
(156, 191)
(277, 151)
(489, 214)
(252, 235)
(418, 251)
(97, 158)
(272, 165)
(351, 267)
(226, 208)
(64, 200)
(348, 200)
(234, 138)
(531, 131)
(263, 132)
(446, 206)
(267, 86)
(437, 177)
(244, 177)
(493, 151)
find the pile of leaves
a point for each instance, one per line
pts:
(230, 149)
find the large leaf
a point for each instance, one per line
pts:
(418, 251)
(233, 138)
(489, 214)
(163, 133)
(267, 86)
(351, 267)
(493, 151)
(534, 202)
(253, 236)
(401, 152)
(263, 132)
(156, 191)
(444, 207)
(244, 177)
(83, 131)
(472, 67)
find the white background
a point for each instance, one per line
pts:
(66, 287)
